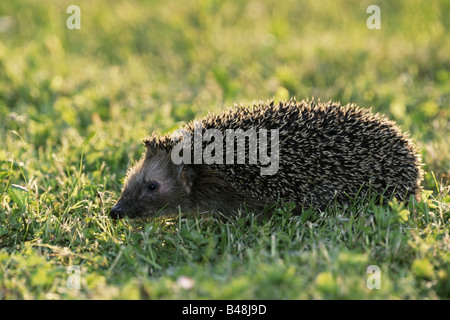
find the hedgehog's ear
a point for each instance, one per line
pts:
(152, 143)
(150, 146)
(186, 176)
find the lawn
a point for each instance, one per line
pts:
(75, 105)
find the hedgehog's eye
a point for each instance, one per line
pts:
(153, 185)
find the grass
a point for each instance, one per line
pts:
(75, 105)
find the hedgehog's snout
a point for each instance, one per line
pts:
(117, 212)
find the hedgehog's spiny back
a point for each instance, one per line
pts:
(327, 152)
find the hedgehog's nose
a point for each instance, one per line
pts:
(116, 212)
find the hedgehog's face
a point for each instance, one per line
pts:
(154, 186)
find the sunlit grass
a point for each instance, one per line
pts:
(76, 104)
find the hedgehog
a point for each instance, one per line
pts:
(311, 154)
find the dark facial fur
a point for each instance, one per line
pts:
(152, 187)
(157, 186)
